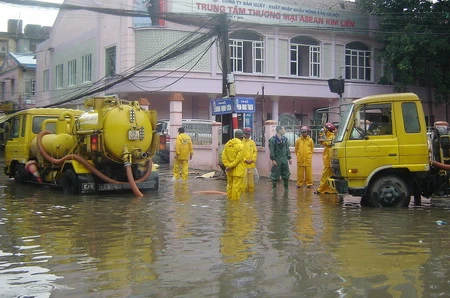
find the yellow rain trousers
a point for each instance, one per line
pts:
(250, 156)
(183, 151)
(327, 172)
(233, 160)
(304, 149)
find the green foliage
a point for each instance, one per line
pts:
(416, 39)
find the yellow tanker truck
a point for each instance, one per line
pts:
(108, 147)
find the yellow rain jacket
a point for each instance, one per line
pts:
(250, 152)
(233, 157)
(304, 148)
(329, 136)
(184, 147)
(183, 151)
(327, 172)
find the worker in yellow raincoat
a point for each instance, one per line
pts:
(250, 156)
(304, 149)
(183, 153)
(325, 140)
(233, 160)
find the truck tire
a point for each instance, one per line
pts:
(388, 191)
(20, 174)
(70, 183)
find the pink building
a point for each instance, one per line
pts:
(282, 53)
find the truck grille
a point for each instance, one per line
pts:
(335, 167)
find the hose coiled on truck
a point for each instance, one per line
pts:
(91, 168)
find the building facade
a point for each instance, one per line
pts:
(18, 64)
(282, 53)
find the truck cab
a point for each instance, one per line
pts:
(380, 148)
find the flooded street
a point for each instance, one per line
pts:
(174, 243)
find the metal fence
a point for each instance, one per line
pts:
(200, 133)
(293, 133)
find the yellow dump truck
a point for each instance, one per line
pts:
(107, 147)
(383, 153)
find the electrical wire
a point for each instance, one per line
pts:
(181, 49)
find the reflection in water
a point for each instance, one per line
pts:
(279, 225)
(182, 217)
(304, 225)
(91, 235)
(173, 243)
(238, 237)
(376, 259)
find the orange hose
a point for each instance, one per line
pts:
(147, 172)
(133, 185)
(441, 166)
(88, 165)
(210, 192)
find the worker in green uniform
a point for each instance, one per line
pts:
(280, 155)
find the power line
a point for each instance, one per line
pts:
(189, 44)
(111, 11)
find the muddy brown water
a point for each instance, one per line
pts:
(174, 243)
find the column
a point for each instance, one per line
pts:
(176, 116)
(216, 135)
(264, 163)
(275, 105)
(211, 97)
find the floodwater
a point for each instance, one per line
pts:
(175, 243)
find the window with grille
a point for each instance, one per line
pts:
(86, 68)
(246, 52)
(357, 62)
(2, 91)
(30, 91)
(72, 72)
(110, 63)
(304, 57)
(46, 80)
(59, 76)
(3, 47)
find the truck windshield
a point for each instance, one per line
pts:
(346, 111)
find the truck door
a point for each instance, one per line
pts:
(372, 141)
(15, 148)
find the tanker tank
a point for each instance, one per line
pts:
(120, 128)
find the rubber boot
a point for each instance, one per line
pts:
(286, 184)
(274, 186)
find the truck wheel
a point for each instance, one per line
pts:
(70, 183)
(20, 174)
(389, 191)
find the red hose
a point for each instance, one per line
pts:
(91, 168)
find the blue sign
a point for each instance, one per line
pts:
(227, 105)
(244, 105)
(222, 106)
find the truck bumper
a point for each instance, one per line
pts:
(341, 185)
(147, 185)
(152, 183)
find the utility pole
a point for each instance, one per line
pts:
(225, 51)
(229, 121)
